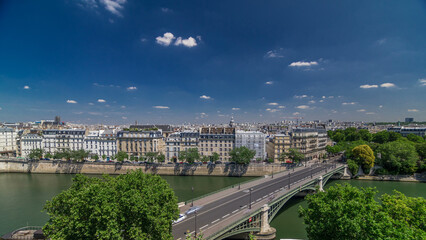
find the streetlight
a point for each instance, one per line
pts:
(250, 189)
(192, 200)
(289, 180)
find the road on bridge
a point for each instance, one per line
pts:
(213, 213)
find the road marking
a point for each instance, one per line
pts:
(178, 238)
(243, 206)
(265, 196)
(258, 199)
(204, 226)
(276, 190)
(215, 221)
(235, 211)
(192, 233)
(225, 215)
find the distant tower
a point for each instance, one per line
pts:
(231, 123)
(57, 119)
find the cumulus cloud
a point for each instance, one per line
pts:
(387, 85)
(273, 104)
(333, 111)
(301, 96)
(123, 107)
(281, 107)
(235, 109)
(303, 107)
(274, 54)
(380, 106)
(422, 82)
(189, 42)
(349, 103)
(26, 87)
(205, 97)
(366, 86)
(166, 39)
(124, 118)
(360, 110)
(303, 64)
(101, 100)
(131, 88)
(311, 102)
(114, 6)
(71, 101)
(413, 110)
(296, 113)
(161, 107)
(321, 100)
(272, 110)
(269, 83)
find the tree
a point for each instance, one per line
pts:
(48, 155)
(415, 138)
(353, 136)
(393, 136)
(333, 149)
(214, 157)
(398, 157)
(35, 154)
(104, 157)
(121, 156)
(381, 137)
(205, 159)
(353, 166)
(242, 155)
(295, 155)
(365, 135)
(96, 157)
(364, 156)
(161, 158)
(346, 212)
(338, 137)
(79, 155)
(190, 155)
(151, 156)
(130, 206)
(63, 154)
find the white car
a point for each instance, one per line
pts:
(181, 218)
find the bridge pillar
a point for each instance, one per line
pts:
(346, 175)
(266, 231)
(321, 189)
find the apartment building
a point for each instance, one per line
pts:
(138, 143)
(309, 141)
(102, 142)
(8, 141)
(29, 142)
(253, 140)
(65, 139)
(173, 142)
(404, 131)
(278, 144)
(216, 139)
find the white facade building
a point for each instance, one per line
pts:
(7, 140)
(107, 143)
(91, 143)
(59, 140)
(253, 140)
(30, 142)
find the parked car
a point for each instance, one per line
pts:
(218, 162)
(193, 209)
(181, 218)
(169, 163)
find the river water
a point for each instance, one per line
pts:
(22, 197)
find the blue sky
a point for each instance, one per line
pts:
(117, 61)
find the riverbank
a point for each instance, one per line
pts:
(62, 167)
(417, 177)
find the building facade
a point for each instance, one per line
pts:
(29, 142)
(277, 145)
(8, 141)
(253, 140)
(404, 131)
(216, 139)
(63, 140)
(138, 143)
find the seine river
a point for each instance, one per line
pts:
(22, 197)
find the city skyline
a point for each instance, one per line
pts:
(115, 62)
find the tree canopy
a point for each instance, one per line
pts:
(364, 156)
(293, 154)
(36, 154)
(121, 156)
(242, 155)
(190, 155)
(398, 157)
(346, 212)
(130, 206)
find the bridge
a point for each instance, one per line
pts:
(250, 207)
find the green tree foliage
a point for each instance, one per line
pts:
(104, 157)
(190, 155)
(415, 138)
(48, 155)
(36, 154)
(333, 149)
(151, 156)
(161, 158)
(365, 135)
(205, 159)
(353, 166)
(130, 206)
(63, 154)
(96, 157)
(421, 150)
(295, 155)
(398, 157)
(393, 136)
(121, 156)
(338, 137)
(381, 137)
(346, 212)
(214, 157)
(364, 156)
(242, 155)
(353, 136)
(79, 155)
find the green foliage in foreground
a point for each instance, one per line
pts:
(346, 212)
(130, 206)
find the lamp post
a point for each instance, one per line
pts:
(289, 180)
(192, 200)
(250, 189)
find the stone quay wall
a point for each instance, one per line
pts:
(62, 167)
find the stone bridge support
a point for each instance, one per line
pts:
(346, 174)
(266, 231)
(321, 189)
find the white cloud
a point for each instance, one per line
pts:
(269, 83)
(301, 96)
(189, 42)
(422, 82)
(303, 107)
(166, 39)
(144, 40)
(123, 107)
(235, 109)
(273, 104)
(161, 107)
(323, 97)
(296, 113)
(203, 115)
(95, 113)
(166, 10)
(412, 110)
(380, 106)
(205, 97)
(366, 86)
(281, 107)
(1, 108)
(78, 113)
(91, 104)
(333, 111)
(381, 41)
(387, 85)
(321, 100)
(303, 64)
(71, 101)
(311, 102)
(272, 110)
(101, 100)
(274, 54)
(124, 118)
(26, 87)
(360, 110)
(131, 88)
(370, 113)
(330, 96)
(349, 103)
(114, 6)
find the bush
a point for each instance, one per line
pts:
(353, 166)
